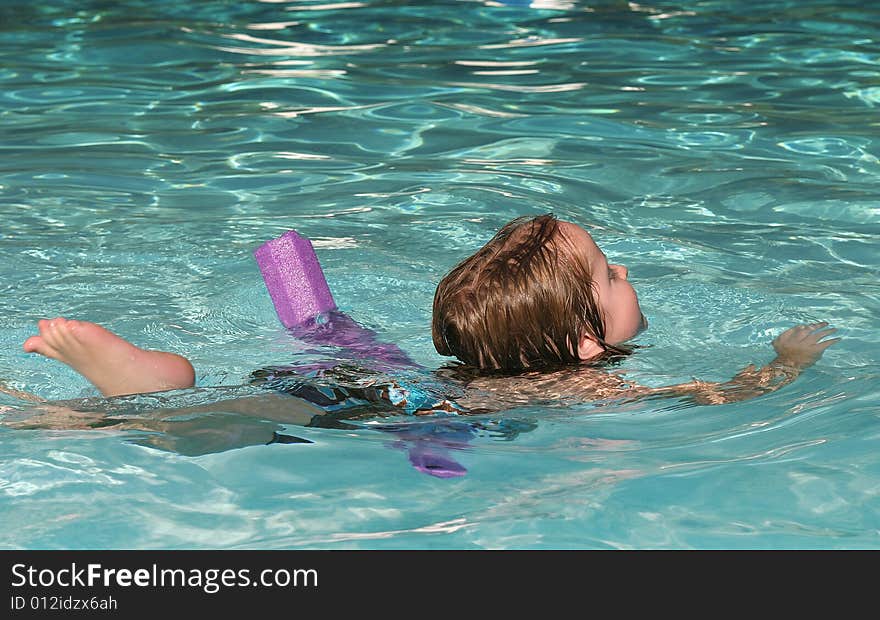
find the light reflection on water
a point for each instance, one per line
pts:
(725, 157)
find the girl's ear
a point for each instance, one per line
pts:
(589, 347)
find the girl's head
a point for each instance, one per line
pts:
(540, 293)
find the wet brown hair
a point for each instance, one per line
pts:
(519, 303)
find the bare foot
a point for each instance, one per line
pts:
(113, 365)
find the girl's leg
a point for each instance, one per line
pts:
(112, 364)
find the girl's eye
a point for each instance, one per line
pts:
(611, 274)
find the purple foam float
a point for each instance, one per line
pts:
(294, 278)
(300, 294)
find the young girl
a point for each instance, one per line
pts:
(532, 312)
(530, 315)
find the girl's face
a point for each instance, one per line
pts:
(614, 294)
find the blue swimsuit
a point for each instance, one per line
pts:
(350, 387)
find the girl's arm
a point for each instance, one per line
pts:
(796, 349)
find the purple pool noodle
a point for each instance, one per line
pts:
(435, 462)
(300, 293)
(429, 445)
(340, 330)
(294, 278)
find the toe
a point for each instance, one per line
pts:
(38, 344)
(56, 331)
(64, 330)
(32, 344)
(48, 330)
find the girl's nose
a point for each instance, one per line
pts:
(622, 271)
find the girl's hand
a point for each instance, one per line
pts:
(800, 347)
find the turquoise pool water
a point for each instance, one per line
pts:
(728, 157)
